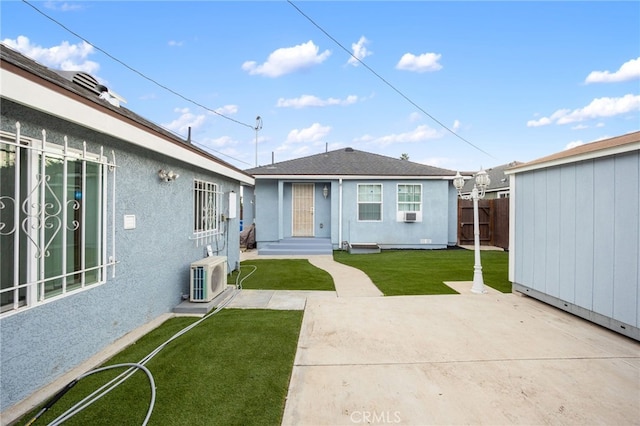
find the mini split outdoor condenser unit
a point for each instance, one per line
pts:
(208, 278)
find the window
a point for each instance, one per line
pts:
(369, 202)
(52, 220)
(206, 202)
(409, 198)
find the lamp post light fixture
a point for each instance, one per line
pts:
(478, 192)
(257, 129)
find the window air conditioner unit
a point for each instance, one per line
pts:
(410, 216)
(208, 278)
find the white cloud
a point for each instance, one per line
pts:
(540, 122)
(287, 60)
(419, 134)
(630, 70)
(67, 57)
(421, 63)
(456, 125)
(174, 43)
(573, 144)
(598, 108)
(313, 101)
(414, 116)
(227, 110)
(360, 51)
(185, 120)
(62, 6)
(221, 142)
(313, 133)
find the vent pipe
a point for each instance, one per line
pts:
(273, 158)
(189, 135)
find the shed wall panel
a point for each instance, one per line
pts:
(539, 245)
(552, 233)
(604, 213)
(584, 235)
(567, 234)
(626, 238)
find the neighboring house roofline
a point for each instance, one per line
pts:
(499, 181)
(62, 99)
(611, 146)
(351, 177)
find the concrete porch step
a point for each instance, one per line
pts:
(298, 246)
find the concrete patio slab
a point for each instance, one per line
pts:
(459, 359)
(277, 299)
(258, 299)
(296, 300)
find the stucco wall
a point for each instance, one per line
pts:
(267, 211)
(389, 233)
(41, 343)
(577, 236)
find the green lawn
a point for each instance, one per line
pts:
(232, 369)
(283, 274)
(410, 272)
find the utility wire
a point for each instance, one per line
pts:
(135, 70)
(386, 82)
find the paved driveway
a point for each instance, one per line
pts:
(459, 359)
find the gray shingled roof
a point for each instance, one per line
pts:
(17, 59)
(349, 162)
(498, 179)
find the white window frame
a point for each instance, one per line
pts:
(503, 194)
(400, 214)
(206, 212)
(38, 221)
(359, 202)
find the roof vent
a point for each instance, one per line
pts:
(89, 82)
(348, 149)
(82, 79)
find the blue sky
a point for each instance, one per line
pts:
(513, 80)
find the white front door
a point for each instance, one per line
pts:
(303, 204)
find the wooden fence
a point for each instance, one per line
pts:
(493, 218)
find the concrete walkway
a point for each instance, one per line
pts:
(349, 282)
(496, 359)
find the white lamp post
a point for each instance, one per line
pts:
(482, 182)
(257, 129)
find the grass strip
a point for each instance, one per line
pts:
(421, 272)
(284, 274)
(233, 369)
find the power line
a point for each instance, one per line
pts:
(386, 82)
(205, 147)
(135, 70)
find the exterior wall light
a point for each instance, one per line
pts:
(167, 176)
(325, 192)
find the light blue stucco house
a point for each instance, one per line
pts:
(101, 214)
(575, 231)
(354, 198)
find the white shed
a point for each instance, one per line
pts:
(575, 231)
